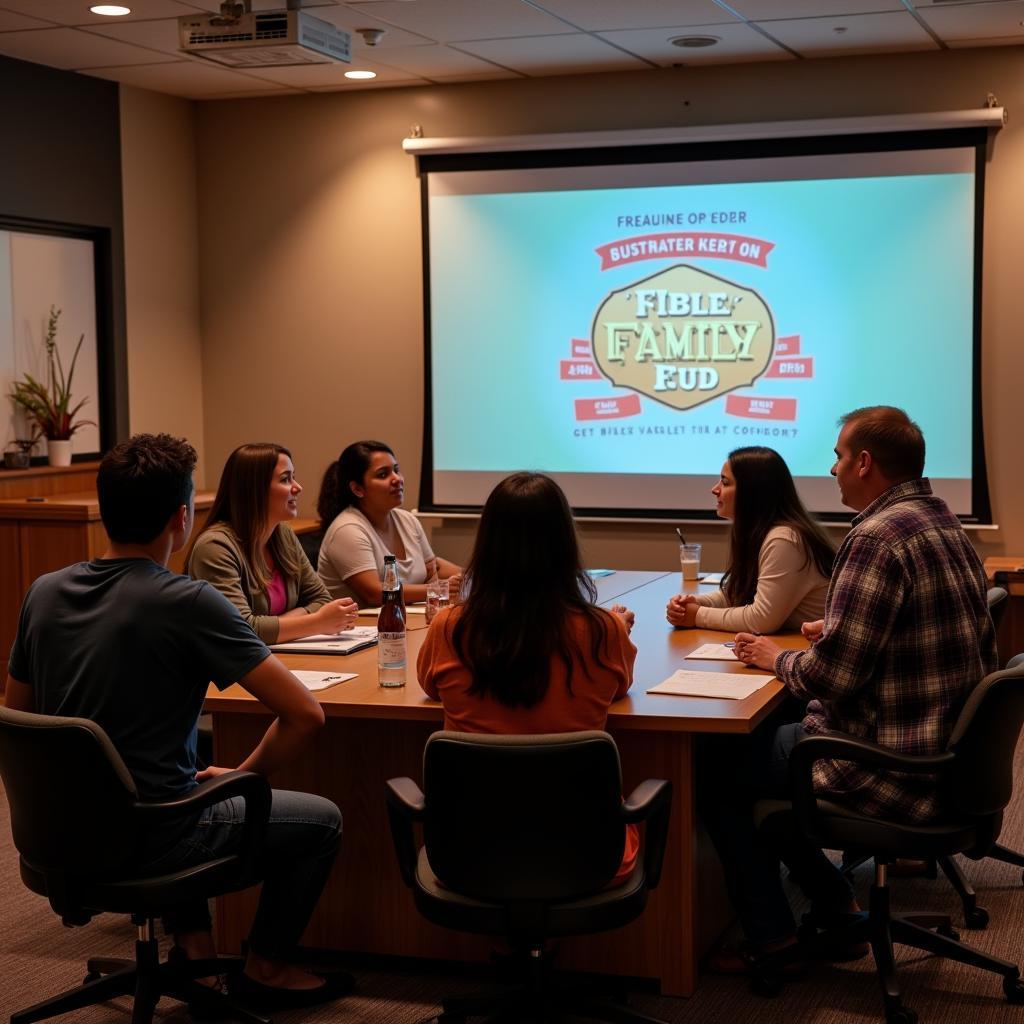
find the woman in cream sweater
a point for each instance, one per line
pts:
(779, 559)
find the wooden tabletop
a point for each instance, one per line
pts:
(660, 651)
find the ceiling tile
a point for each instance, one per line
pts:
(159, 35)
(604, 15)
(71, 49)
(456, 20)
(861, 33)
(353, 20)
(435, 61)
(769, 10)
(326, 76)
(76, 12)
(553, 55)
(190, 79)
(738, 42)
(958, 23)
(13, 22)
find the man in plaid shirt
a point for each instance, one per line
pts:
(905, 638)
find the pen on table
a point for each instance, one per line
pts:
(331, 679)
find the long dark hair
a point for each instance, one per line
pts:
(349, 468)
(525, 580)
(241, 503)
(766, 498)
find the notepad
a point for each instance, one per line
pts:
(711, 577)
(713, 652)
(684, 683)
(416, 609)
(350, 640)
(314, 681)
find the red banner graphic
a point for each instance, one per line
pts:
(788, 346)
(607, 408)
(704, 244)
(578, 369)
(580, 348)
(761, 408)
(802, 366)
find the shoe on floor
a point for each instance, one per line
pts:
(745, 958)
(269, 997)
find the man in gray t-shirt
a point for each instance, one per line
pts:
(132, 646)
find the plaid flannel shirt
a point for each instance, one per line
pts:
(907, 636)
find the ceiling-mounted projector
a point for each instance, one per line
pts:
(264, 39)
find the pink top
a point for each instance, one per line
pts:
(277, 593)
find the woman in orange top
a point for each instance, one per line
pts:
(528, 651)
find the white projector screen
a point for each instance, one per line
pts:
(623, 326)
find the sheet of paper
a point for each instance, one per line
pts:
(350, 640)
(594, 573)
(321, 680)
(685, 683)
(712, 652)
(416, 609)
(711, 577)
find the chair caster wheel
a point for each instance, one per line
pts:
(91, 977)
(976, 918)
(767, 985)
(947, 932)
(900, 1016)
(1014, 990)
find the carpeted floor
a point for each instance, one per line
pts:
(39, 957)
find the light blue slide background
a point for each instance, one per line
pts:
(874, 274)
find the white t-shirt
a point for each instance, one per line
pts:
(351, 545)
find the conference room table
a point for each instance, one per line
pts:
(373, 734)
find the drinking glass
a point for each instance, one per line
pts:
(438, 597)
(689, 562)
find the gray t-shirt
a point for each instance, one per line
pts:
(132, 646)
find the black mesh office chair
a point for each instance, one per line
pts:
(76, 820)
(526, 832)
(975, 776)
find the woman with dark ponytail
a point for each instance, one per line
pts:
(780, 559)
(360, 509)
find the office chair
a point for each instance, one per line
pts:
(76, 820)
(997, 602)
(975, 776)
(526, 832)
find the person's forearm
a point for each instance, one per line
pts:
(281, 743)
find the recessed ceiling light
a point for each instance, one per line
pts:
(694, 42)
(111, 10)
(360, 74)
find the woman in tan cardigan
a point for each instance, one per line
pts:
(250, 554)
(779, 558)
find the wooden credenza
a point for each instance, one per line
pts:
(45, 530)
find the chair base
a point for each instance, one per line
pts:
(544, 997)
(148, 981)
(932, 933)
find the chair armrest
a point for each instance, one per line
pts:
(406, 805)
(251, 787)
(841, 747)
(651, 802)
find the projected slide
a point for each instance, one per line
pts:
(625, 336)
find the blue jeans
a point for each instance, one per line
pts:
(302, 838)
(733, 773)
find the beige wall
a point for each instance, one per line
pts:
(311, 266)
(161, 268)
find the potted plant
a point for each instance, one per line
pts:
(48, 405)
